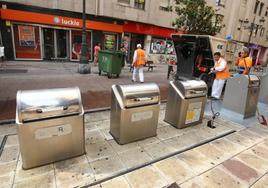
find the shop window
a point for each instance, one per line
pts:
(255, 31)
(165, 5)
(256, 6)
(260, 11)
(109, 42)
(26, 41)
(170, 50)
(262, 31)
(140, 4)
(124, 1)
(158, 46)
(76, 42)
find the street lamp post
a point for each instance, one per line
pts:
(252, 26)
(84, 67)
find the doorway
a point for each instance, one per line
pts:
(56, 42)
(62, 43)
(49, 47)
(135, 39)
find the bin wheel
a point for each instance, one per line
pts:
(99, 72)
(109, 75)
(117, 76)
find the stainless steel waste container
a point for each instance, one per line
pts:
(134, 112)
(185, 103)
(50, 125)
(241, 94)
(264, 89)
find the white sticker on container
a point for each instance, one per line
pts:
(139, 116)
(50, 109)
(50, 132)
(193, 112)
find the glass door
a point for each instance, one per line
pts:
(62, 43)
(49, 47)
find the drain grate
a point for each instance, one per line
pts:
(3, 140)
(7, 71)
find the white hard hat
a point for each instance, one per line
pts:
(138, 45)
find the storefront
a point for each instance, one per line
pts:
(154, 39)
(38, 36)
(43, 36)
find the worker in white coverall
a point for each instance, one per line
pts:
(222, 74)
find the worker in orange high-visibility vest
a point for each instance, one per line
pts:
(139, 60)
(245, 62)
(222, 74)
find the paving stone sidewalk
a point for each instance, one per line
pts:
(237, 160)
(105, 158)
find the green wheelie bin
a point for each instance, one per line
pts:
(111, 62)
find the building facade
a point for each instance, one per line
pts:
(46, 29)
(238, 16)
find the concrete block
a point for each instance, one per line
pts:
(99, 150)
(72, 176)
(240, 140)
(196, 161)
(106, 134)
(241, 170)
(28, 174)
(12, 140)
(41, 181)
(261, 183)
(210, 151)
(10, 154)
(252, 160)
(214, 178)
(157, 150)
(134, 157)
(94, 136)
(174, 170)
(250, 135)
(148, 141)
(260, 151)
(6, 180)
(70, 162)
(166, 132)
(7, 168)
(227, 146)
(119, 182)
(147, 177)
(106, 167)
(122, 148)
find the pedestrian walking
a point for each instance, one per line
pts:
(222, 74)
(171, 64)
(138, 63)
(97, 48)
(245, 62)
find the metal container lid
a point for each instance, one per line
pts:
(47, 103)
(139, 94)
(192, 88)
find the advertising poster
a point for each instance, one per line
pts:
(158, 46)
(170, 48)
(109, 42)
(26, 35)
